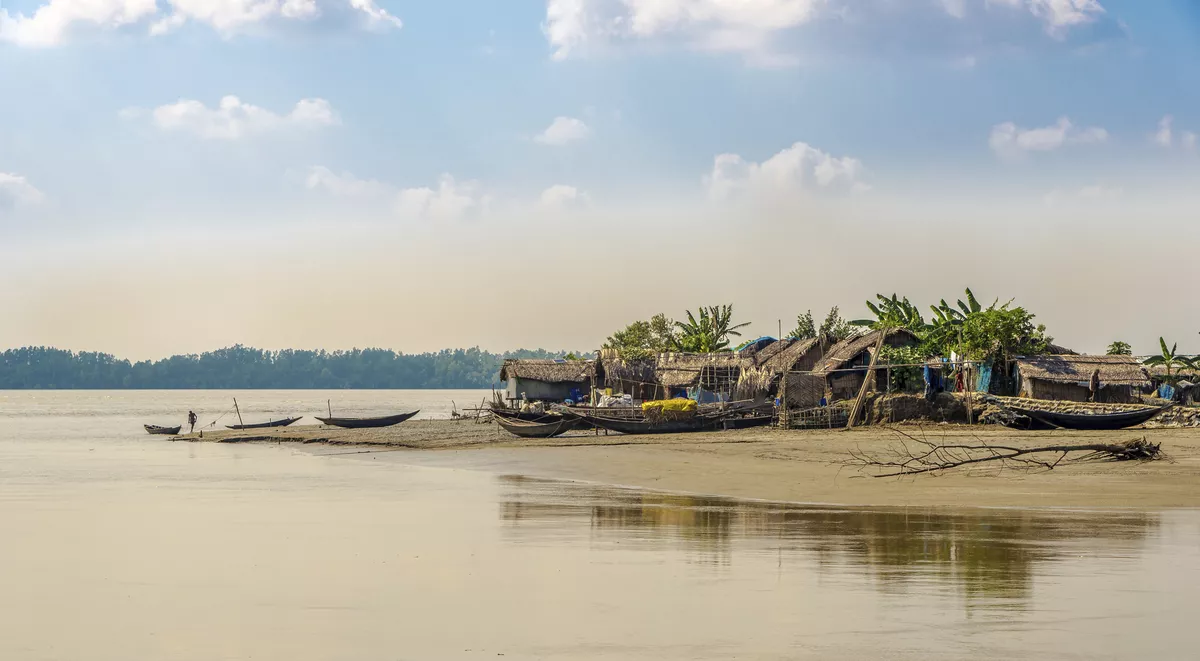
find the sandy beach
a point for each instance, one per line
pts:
(771, 464)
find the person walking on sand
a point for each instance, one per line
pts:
(1094, 385)
(191, 421)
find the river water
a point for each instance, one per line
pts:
(120, 546)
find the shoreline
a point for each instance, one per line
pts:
(771, 465)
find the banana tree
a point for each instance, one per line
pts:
(708, 332)
(1169, 359)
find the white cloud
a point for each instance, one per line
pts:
(750, 26)
(16, 190)
(451, 200)
(344, 184)
(233, 119)
(797, 169)
(1189, 140)
(561, 197)
(52, 23)
(563, 131)
(1010, 140)
(1163, 135)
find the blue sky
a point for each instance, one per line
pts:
(456, 132)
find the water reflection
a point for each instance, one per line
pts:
(989, 556)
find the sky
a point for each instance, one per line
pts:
(182, 175)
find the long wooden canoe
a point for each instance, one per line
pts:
(264, 425)
(364, 423)
(538, 429)
(1089, 421)
(632, 426)
(155, 429)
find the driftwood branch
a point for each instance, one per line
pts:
(915, 456)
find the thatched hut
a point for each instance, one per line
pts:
(1068, 378)
(708, 376)
(772, 362)
(634, 377)
(842, 370)
(547, 380)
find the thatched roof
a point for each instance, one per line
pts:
(1060, 350)
(617, 369)
(1160, 371)
(781, 356)
(681, 370)
(1122, 370)
(846, 350)
(548, 371)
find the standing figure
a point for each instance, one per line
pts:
(1094, 385)
(191, 422)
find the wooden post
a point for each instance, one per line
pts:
(329, 407)
(239, 412)
(862, 392)
(784, 418)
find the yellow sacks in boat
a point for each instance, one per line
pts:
(669, 409)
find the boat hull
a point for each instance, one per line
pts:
(166, 431)
(536, 429)
(265, 425)
(1089, 422)
(367, 423)
(637, 427)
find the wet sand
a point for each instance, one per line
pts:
(771, 464)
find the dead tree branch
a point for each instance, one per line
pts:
(916, 456)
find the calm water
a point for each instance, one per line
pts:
(118, 546)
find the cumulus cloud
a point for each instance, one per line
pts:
(344, 184)
(449, 200)
(52, 23)
(1188, 140)
(233, 119)
(563, 131)
(16, 191)
(797, 169)
(1010, 140)
(561, 197)
(751, 27)
(1163, 135)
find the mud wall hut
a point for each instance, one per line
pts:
(1068, 378)
(547, 380)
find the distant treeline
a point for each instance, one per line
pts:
(246, 367)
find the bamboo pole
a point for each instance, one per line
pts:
(862, 392)
(239, 412)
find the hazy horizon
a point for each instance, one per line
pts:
(551, 172)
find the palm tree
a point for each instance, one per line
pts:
(1169, 358)
(709, 332)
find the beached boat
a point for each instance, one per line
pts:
(155, 429)
(538, 429)
(527, 416)
(1088, 421)
(626, 425)
(264, 425)
(365, 423)
(745, 422)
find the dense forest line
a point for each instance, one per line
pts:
(247, 367)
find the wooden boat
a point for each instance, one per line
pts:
(1089, 421)
(525, 416)
(366, 423)
(747, 422)
(626, 425)
(264, 425)
(155, 429)
(538, 429)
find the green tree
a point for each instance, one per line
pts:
(1120, 348)
(999, 333)
(709, 331)
(1170, 359)
(836, 326)
(805, 327)
(642, 339)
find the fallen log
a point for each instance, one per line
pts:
(915, 456)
